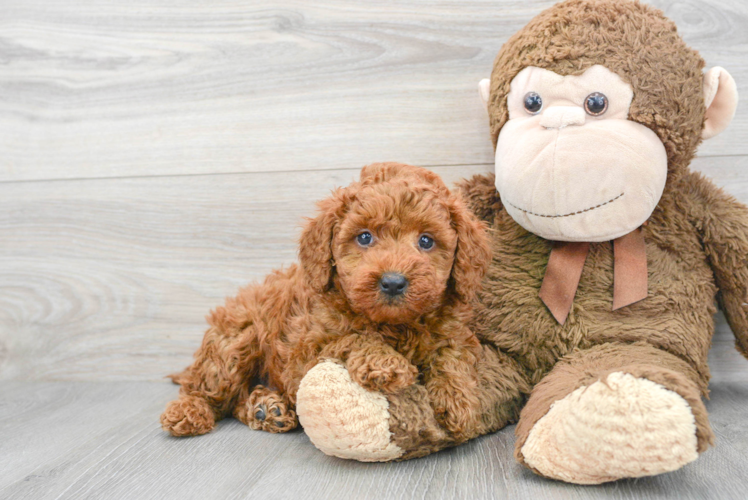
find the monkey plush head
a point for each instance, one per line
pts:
(594, 107)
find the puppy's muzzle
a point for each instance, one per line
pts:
(393, 284)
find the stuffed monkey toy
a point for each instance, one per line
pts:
(610, 257)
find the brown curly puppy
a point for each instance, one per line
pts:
(388, 269)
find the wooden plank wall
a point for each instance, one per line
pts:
(154, 158)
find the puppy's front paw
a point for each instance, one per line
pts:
(456, 409)
(188, 416)
(386, 373)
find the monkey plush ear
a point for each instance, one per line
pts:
(315, 245)
(721, 100)
(484, 87)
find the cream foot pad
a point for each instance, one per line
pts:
(626, 427)
(342, 418)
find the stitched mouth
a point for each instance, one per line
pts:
(570, 213)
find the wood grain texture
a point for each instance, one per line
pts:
(85, 440)
(107, 89)
(110, 279)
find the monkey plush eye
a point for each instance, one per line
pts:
(595, 104)
(425, 242)
(533, 102)
(364, 239)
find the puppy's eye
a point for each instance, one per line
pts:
(364, 239)
(425, 242)
(533, 103)
(595, 104)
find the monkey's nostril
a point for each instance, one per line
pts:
(393, 284)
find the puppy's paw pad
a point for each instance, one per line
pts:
(260, 412)
(270, 413)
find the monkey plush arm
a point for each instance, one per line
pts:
(723, 224)
(480, 195)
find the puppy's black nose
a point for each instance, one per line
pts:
(393, 284)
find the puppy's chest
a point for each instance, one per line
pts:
(417, 345)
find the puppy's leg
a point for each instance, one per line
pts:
(188, 416)
(266, 410)
(223, 367)
(372, 364)
(452, 385)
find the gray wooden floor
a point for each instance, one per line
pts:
(156, 156)
(76, 440)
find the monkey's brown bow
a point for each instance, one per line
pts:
(565, 269)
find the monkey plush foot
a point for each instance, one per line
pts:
(620, 427)
(345, 420)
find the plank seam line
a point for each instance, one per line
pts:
(206, 174)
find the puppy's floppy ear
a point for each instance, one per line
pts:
(315, 246)
(473, 254)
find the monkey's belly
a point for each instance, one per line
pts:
(676, 316)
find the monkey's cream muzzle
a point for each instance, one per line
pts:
(567, 175)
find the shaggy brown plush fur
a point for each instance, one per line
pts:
(697, 237)
(696, 243)
(332, 306)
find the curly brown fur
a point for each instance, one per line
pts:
(331, 306)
